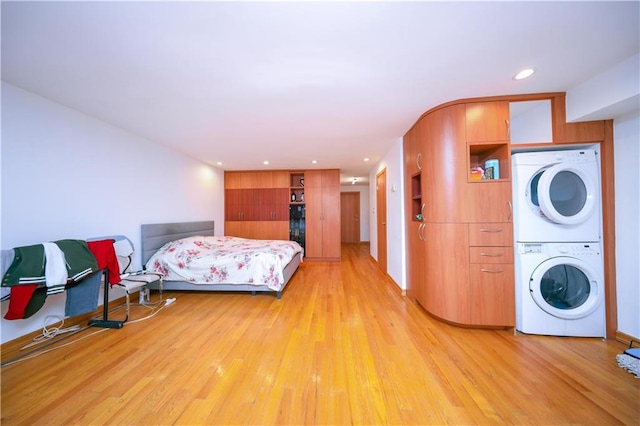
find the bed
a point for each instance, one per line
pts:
(176, 250)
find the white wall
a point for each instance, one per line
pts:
(364, 207)
(393, 163)
(68, 175)
(615, 94)
(609, 94)
(626, 134)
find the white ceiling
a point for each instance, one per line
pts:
(293, 82)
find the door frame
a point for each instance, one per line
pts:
(381, 218)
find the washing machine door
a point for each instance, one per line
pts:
(564, 193)
(565, 287)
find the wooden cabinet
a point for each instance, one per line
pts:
(446, 293)
(415, 247)
(412, 146)
(416, 256)
(487, 135)
(272, 204)
(487, 121)
(257, 204)
(258, 230)
(491, 274)
(445, 165)
(451, 195)
(322, 204)
(489, 202)
(492, 295)
(250, 179)
(460, 261)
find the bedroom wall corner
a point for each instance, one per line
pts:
(68, 175)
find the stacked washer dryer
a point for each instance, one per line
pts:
(558, 258)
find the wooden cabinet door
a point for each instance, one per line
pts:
(447, 271)
(281, 204)
(313, 178)
(322, 203)
(489, 202)
(331, 178)
(492, 294)
(232, 204)
(416, 259)
(412, 146)
(487, 121)
(233, 180)
(331, 222)
(270, 204)
(445, 166)
(280, 179)
(258, 230)
(322, 178)
(313, 213)
(249, 207)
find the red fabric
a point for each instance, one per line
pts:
(106, 256)
(20, 297)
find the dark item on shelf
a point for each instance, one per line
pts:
(301, 181)
(488, 173)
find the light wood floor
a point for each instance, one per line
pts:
(341, 347)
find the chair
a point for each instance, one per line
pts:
(130, 282)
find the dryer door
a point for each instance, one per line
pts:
(565, 287)
(566, 194)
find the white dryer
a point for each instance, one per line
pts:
(560, 289)
(556, 196)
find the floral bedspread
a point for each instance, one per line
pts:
(224, 260)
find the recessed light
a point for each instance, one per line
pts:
(265, 162)
(314, 161)
(366, 159)
(219, 163)
(524, 74)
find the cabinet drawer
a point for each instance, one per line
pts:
(491, 254)
(492, 297)
(491, 234)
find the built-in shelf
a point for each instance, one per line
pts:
(480, 153)
(416, 197)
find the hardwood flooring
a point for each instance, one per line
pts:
(341, 347)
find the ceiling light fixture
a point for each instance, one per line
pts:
(524, 74)
(366, 159)
(353, 181)
(219, 163)
(265, 162)
(314, 161)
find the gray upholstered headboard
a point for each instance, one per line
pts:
(156, 235)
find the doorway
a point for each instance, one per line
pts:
(350, 217)
(381, 208)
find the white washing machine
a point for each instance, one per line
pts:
(560, 289)
(556, 196)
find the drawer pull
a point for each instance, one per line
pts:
(490, 230)
(492, 254)
(491, 271)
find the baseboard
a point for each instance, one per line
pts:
(625, 338)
